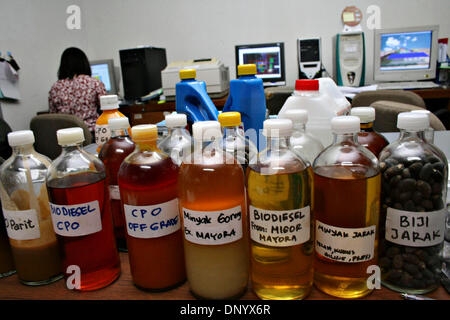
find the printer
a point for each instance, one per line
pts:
(212, 71)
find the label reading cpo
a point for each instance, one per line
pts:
(213, 227)
(152, 221)
(280, 228)
(348, 245)
(114, 192)
(22, 224)
(415, 229)
(76, 220)
(102, 134)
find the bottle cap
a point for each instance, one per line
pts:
(118, 123)
(345, 124)
(306, 85)
(230, 119)
(422, 111)
(20, 138)
(365, 114)
(277, 127)
(70, 136)
(413, 121)
(109, 102)
(246, 69)
(144, 132)
(206, 130)
(176, 120)
(295, 115)
(188, 74)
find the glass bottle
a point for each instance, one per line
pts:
(109, 104)
(81, 214)
(178, 142)
(27, 213)
(234, 141)
(347, 199)
(303, 144)
(113, 152)
(280, 213)
(413, 210)
(367, 136)
(212, 205)
(428, 133)
(148, 189)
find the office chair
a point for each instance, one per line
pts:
(5, 149)
(276, 97)
(44, 127)
(386, 113)
(366, 98)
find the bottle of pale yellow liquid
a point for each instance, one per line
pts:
(280, 212)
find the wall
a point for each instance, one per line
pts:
(35, 32)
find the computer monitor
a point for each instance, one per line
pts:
(405, 54)
(103, 70)
(269, 60)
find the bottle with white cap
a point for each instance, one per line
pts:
(178, 142)
(280, 215)
(303, 144)
(347, 199)
(27, 212)
(81, 213)
(413, 208)
(113, 152)
(428, 132)
(367, 136)
(212, 206)
(109, 104)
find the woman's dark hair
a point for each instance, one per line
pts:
(73, 62)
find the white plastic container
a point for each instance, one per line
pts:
(322, 106)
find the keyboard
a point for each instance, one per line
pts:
(407, 85)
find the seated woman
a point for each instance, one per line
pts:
(76, 92)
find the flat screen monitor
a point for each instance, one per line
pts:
(103, 70)
(269, 60)
(405, 54)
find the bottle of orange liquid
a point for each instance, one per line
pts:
(148, 190)
(211, 192)
(110, 106)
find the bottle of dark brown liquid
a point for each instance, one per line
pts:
(368, 137)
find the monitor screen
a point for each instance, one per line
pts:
(103, 70)
(268, 58)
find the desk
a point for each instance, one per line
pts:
(435, 98)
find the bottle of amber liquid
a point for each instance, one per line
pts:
(212, 205)
(368, 137)
(148, 189)
(81, 214)
(113, 152)
(27, 212)
(279, 200)
(347, 203)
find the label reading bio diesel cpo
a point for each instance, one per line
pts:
(22, 224)
(213, 227)
(280, 228)
(415, 229)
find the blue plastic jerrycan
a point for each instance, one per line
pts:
(247, 97)
(192, 99)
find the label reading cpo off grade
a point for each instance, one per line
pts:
(348, 245)
(22, 224)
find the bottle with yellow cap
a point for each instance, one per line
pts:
(81, 214)
(247, 97)
(148, 190)
(234, 141)
(192, 99)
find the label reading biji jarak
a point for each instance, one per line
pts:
(280, 228)
(415, 229)
(114, 192)
(102, 134)
(22, 224)
(348, 245)
(152, 221)
(76, 220)
(213, 227)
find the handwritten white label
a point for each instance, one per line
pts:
(349, 245)
(76, 220)
(415, 229)
(213, 227)
(152, 221)
(102, 134)
(22, 224)
(114, 192)
(280, 228)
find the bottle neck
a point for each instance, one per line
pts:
(175, 130)
(72, 147)
(366, 126)
(277, 143)
(351, 138)
(23, 149)
(299, 127)
(230, 131)
(409, 134)
(119, 133)
(146, 145)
